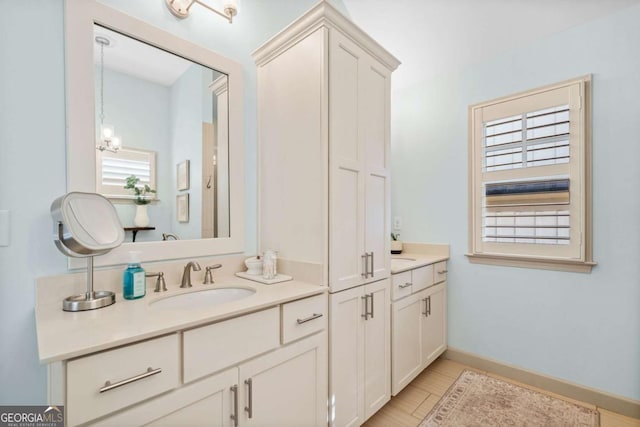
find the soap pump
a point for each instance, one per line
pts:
(134, 284)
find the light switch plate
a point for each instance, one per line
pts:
(397, 223)
(5, 228)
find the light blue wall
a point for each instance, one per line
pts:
(584, 328)
(32, 149)
(186, 125)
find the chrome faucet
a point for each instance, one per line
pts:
(186, 276)
(166, 236)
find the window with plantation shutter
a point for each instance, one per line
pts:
(112, 170)
(529, 173)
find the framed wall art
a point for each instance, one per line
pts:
(182, 207)
(183, 175)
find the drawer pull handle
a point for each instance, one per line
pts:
(310, 318)
(371, 314)
(365, 270)
(406, 285)
(443, 271)
(366, 307)
(249, 409)
(234, 416)
(108, 386)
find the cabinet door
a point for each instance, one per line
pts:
(347, 165)
(434, 324)
(377, 347)
(375, 84)
(207, 402)
(287, 387)
(346, 363)
(406, 341)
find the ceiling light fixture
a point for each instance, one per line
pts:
(108, 139)
(182, 8)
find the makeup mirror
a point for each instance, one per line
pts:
(86, 225)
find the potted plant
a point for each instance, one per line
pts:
(143, 194)
(396, 245)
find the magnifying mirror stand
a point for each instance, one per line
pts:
(91, 299)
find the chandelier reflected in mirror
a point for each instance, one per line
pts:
(108, 140)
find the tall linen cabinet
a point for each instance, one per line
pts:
(323, 137)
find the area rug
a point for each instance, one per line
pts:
(479, 400)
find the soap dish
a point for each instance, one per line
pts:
(258, 278)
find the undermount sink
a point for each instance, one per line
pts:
(203, 299)
(402, 259)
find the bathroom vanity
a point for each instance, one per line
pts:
(259, 360)
(418, 311)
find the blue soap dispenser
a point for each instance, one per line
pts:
(134, 284)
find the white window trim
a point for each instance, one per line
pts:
(478, 252)
(116, 194)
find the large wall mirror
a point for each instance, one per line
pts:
(148, 110)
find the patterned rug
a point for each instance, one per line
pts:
(479, 400)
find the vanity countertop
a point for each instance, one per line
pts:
(64, 335)
(417, 255)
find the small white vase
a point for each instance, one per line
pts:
(396, 247)
(142, 217)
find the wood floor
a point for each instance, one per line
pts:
(410, 407)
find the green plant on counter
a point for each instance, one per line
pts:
(395, 236)
(143, 194)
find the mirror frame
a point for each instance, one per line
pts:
(80, 17)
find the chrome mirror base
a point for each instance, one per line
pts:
(85, 302)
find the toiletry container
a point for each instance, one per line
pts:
(254, 265)
(134, 284)
(269, 269)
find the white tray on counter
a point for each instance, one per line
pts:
(258, 278)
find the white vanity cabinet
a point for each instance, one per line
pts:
(324, 202)
(323, 132)
(360, 359)
(252, 370)
(419, 322)
(286, 387)
(359, 240)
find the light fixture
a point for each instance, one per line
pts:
(182, 8)
(108, 139)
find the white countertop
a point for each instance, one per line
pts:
(410, 260)
(64, 335)
(417, 255)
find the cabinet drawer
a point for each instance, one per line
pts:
(401, 285)
(440, 272)
(211, 348)
(135, 373)
(304, 317)
(422, 277)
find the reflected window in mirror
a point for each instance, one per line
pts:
(113, 169)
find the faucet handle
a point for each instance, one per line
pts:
(208, 275)
(161, 285)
